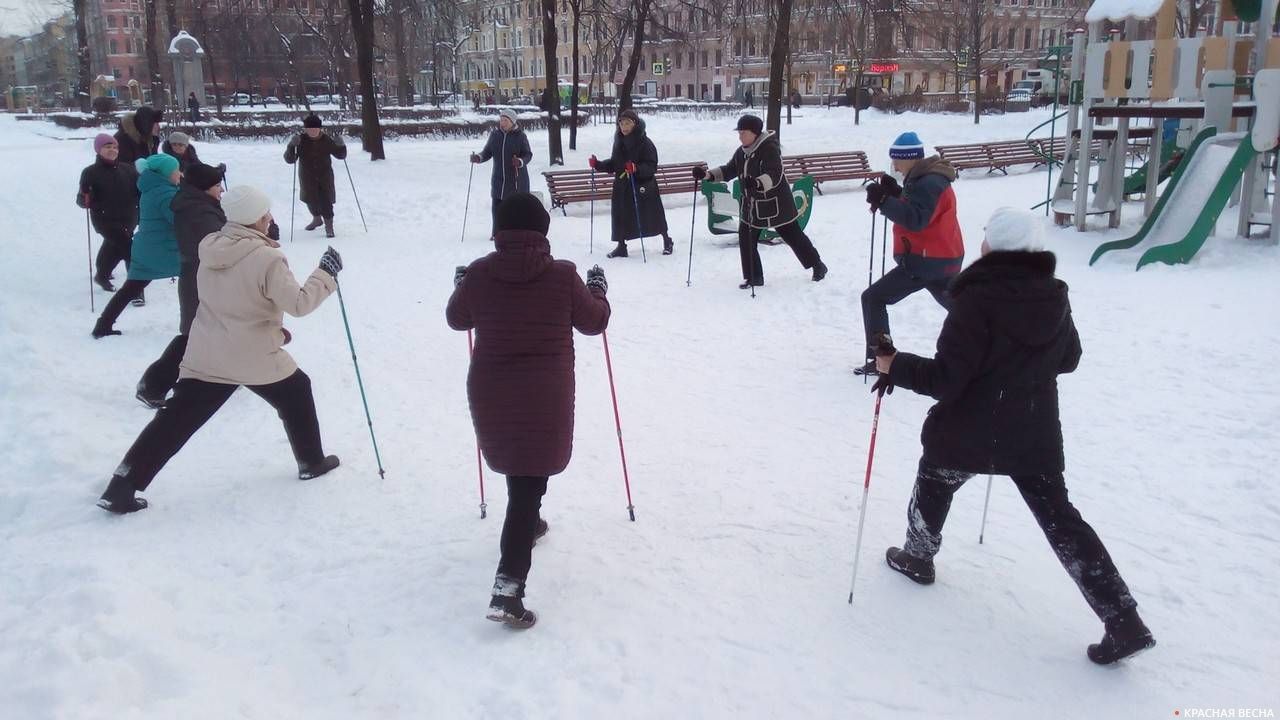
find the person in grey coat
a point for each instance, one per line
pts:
(509, 147)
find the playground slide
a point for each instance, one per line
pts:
(1188, 208)
(1170, 156)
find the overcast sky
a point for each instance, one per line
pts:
(21, 17)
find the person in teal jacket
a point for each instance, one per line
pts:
(155, 247)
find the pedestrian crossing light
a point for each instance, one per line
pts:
(658, 68)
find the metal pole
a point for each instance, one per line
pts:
(635, 200)
(355, 194)
(591, 246)
(688, 280)
(88, 244)
(884, 242)
(360, 383)
(866, 489)
(467, 207)
(617, 420)
(479, 463)
(293, 204)
(985, 504)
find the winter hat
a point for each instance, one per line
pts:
(245, 205)
(1014, 230)
(103, 140)
(523, 211)
(202, 176)
(509, 114)
(631, 115)
(907, 147)
(752, 123)
(161, 164)
(145, 118)
(312, 121)
(179, 138)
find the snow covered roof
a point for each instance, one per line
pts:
(1122, 9)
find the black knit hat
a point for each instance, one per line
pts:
(312, 121)
(752, 123)
(202, 176)
(631, 115)
(523, 211)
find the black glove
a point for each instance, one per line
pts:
(331, 262)
(883, 344)
(883, 385)
(337, 140)
(295, 140)
(875, 195)
(273, 231)
(458, 274)
(476, 158)
(222, 168)
(699, 173)
(890, 185)
(595, 279)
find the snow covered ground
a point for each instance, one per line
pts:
(242, 593)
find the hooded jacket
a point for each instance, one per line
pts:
(135, 136)
(1007, 337)
(924, 217)
(155, 247)
(186, 159)
(196, 214)
(508, 180)
(768, 208)
(112, 191)
(245, 288)
(639, 149)
(524, 306)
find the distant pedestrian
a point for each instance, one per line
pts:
(314, 150)
(193, 107)
(632, 168)
(109, 189)
(509, 149)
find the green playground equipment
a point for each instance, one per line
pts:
(723, 203)
(1170, 157)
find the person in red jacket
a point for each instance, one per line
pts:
(524, 306)
(928, 248)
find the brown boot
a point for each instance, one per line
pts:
(328, 227)
(316, 221)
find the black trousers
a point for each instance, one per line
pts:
(749, 249)
(195, 401)
(524, 505)
(127, 292)
(117, 245)
(188, 296)
(160, 376)
(929, 274)
(1075, 543)
(320, 209)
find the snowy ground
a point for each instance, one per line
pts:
(242, 593)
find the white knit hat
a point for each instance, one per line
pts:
(509, 114)
(245, 205)
(1011, 229)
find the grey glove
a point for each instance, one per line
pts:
(337, 139)
(331, 262)
(595, 279)
(295, 140)
(458, 274)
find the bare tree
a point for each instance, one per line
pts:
(153, 55)
(397, 10)
(778, 63)
(575, 6)
(642, 8)
(83, 68)
(551, 93)
(362, 20)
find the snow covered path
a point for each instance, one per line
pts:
(243, 593)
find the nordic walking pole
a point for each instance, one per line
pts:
(479, 464)
(688, 279)
(985, 504)
(884, 243)
(591, 242)
(355, 194)
(467, 206)
(635, 200)
(360, 383)
(293, 204)
(617, 421)
(866, 488)
(88, 244)
(871, 262)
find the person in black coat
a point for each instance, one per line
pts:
(1007, 337)
(109, 190)
(314, 149)
(196, 214)
(179, 145)
(193, 107)
(508, 146)
(633, 165)
(139, 134)
(766, 201)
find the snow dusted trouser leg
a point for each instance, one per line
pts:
(800, 244)
(192, 404)
(117, 243)
(188, 297)
(1077, 546)
(898, 284)
(749, 252)
(320, 209)
(930, 503)
(160, 376)
(524, 504)
(296, 405)
(130, 290)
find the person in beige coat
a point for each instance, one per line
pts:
(237, 338)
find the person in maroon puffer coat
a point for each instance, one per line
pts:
(524, 306)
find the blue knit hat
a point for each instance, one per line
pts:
(907, 147)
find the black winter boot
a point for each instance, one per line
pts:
(668, 246)
(316, 221)
(819, 270)
(328, 227)
(102, 329)
(119, 497)
(140, 301)
(147, 398)
(104, 282)
(747, 284)
(620, 251)
(540, 530)
(506, 605)
(311, 472)
(917, 569)
(868, 369)
(1126, 636)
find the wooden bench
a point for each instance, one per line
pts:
(571, 186)
(826, 167)
(1004, 154)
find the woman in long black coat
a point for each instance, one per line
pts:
(634, 158)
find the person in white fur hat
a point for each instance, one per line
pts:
(237, 338)
(1007, 337)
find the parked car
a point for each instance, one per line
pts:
(271, 100)
(239, 98)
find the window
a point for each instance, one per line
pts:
(115, 49)
(677, 90)
(909, 37)
(111, 21)
(906, 83)
(1012, 39)
(924, 81)
(1026, 39)
(704, 58)
(719, 58)
(679, 57)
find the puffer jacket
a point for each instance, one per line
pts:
(245, 288)
(924, 217)
(524, 306)
(155, 247)
(508, 180)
